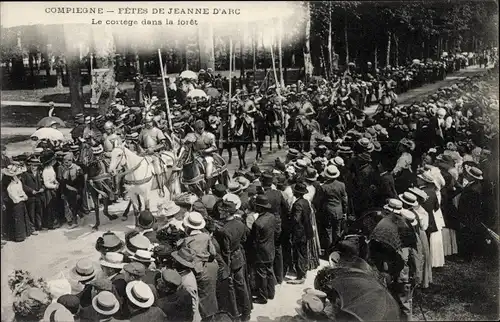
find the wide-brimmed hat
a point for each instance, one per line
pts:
(13, 170)
(84, 270)
(56, 312)
(394, 205)
(113, 260)
(426, 176)
(408, 198)
(194, 220)
(262, 201)
(474, 172)
(136, 242)
(171, 276)
(366, 144)
(331, 172)
(232, 198)
(105, 303)
(109, 242)
(132, 136)
(311, 174)
(293, 153)
(234, 187)
(418, 192)
(244, 182)
(168, 209)
(184, 256)
(140, 294)
(300, 188)
(226, 209)
(300, 164)
(410, 216)
(145, 220)
(343, 149)
(142, 256)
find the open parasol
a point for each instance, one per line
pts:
(212, 92)
(48, 133)
(50, 120)
(189, 74)
(197, 93)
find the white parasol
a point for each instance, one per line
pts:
(48, 133)
(189, 74)
(197, 93)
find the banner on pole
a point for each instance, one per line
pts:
(101, 82)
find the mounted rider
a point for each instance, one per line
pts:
(204, 145)
(153, 140)
(111, 137)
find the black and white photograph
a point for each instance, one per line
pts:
(264, 161)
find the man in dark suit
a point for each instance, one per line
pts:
(231, 237)
(300, 217)
(470, 212)
(263, 234)
(279, 208)
(33, 186)
(334, 206)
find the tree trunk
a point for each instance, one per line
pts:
(388, 52)
(206, 46)
(242, 57)
(254, 52)
(375, 59)
(308, 66)
(75, 85)
(346, 41)
(105, 57)
(330, 41)
(396, 50)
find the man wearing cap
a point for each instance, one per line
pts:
(153, 140)
(33, 186)
(263, 235)
(300, 217)
(172, 298)
(231, 238)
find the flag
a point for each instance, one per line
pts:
(101, 82)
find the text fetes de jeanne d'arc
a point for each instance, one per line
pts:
(144, 11)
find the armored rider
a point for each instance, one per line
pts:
(205, 146)
(112, 138)
(153, 140)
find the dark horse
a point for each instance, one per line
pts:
(296, 133)
(222, 139)
(99, 183)
(193, 171)
(275, 122)
(242, 137)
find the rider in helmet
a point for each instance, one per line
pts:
(153, 140)
(205, 145)
(111, 137)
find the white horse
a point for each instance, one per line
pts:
(139, 179)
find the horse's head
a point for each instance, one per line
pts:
(118, 159)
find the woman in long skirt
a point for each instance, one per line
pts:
(423, 218)
(51, 186)
(313, 245)
(18, 215)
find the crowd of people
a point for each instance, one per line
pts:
(387, 194)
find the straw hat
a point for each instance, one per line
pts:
(168, 209)
(234, 187)
(408, 198)
(142, 256)
(426, 176)
(474, 173)
(232, 198)
(113, 260)
(140, 294)
(13, 170)
(419, 192)
(194, 220)
(105, 303)
(394, 205)
(56, 312)
(331, 172)
(83, 271)
(97, 149)
(136, 242)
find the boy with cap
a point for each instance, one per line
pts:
(172, 298)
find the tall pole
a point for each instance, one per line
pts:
(277, 83)
(91, 79)
(230, 72)
(163, 75)
(280, 57)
